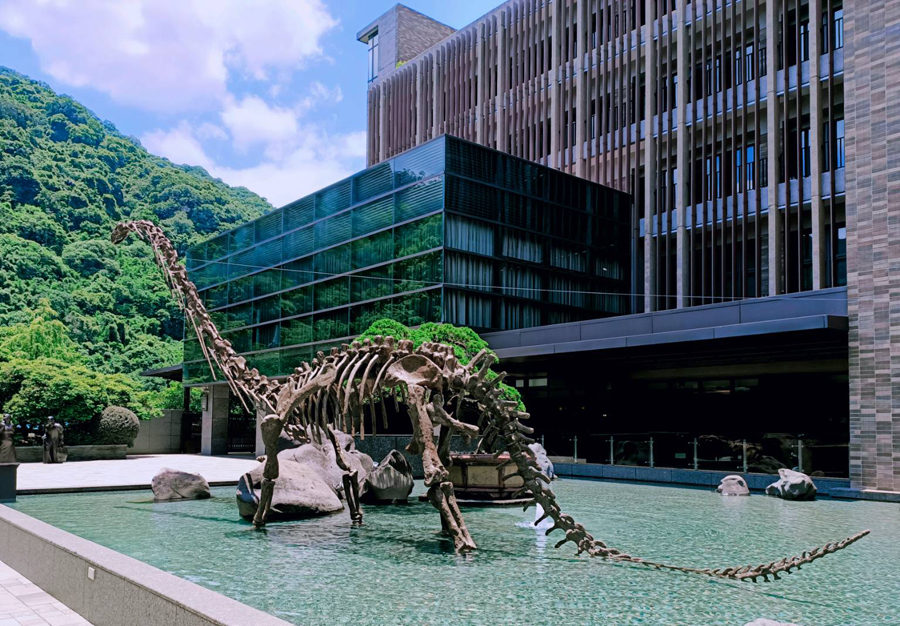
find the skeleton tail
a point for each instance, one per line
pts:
(513, 434)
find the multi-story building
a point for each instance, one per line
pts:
(759, 140)
(448, 231)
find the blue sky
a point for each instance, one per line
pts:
(269, 94)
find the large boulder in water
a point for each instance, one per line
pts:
(171, 484)
(733, 485)
(391, 481)
(792, 485)
(300, 492)
(321, 458)
(543, 461)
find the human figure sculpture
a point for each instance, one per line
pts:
(7, 443)
(54, 446)
(343, 390)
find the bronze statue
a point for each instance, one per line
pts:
(344, 389)
(7, 440)
(54, 446)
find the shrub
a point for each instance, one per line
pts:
(465, 341)
(117, 425)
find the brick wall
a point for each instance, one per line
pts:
(872, 74)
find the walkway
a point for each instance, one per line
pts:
(22, 603)
(135, 472)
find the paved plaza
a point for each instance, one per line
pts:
(133, 472)
(22, 603)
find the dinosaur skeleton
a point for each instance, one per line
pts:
(346, 388)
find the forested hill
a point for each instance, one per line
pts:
(66, 178)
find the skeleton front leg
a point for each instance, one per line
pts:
(437, 478)
(350, 479)
(270, 427)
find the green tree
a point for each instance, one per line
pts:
(43, 337)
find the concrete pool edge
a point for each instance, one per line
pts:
(37, 491)
(831, 487)
(124, 591)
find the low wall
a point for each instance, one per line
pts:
(378, 447)
(159, 436)
(35, 454)
(696, 478)
(123, 591)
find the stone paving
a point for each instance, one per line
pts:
(133, 472)
(22, 603)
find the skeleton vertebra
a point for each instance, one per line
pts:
(341, 390)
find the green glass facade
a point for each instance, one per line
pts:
(448, 231)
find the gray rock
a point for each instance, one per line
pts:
(391, 481)
(172, 484)
(767, 622)
(792, 485)
(733, 485)
(543, 461)
(322, 459)
(300, 492)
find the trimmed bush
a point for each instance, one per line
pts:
(117, 425)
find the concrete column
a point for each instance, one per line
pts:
(382, 113)
(579, 100)
(776, 241)
(214, 424)
(503, 76)
(815, 170)
(480, 108)
(683, 250)
(435, 94)
(420, 103)
(555, 110)
(650, 173)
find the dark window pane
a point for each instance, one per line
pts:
(333, 199)
(418, 236)
(420, 199)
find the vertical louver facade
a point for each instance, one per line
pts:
(724, 120)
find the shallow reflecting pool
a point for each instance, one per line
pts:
(397, 569)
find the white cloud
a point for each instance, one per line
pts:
(311, 159)
(167, 55)
(252, 121)
(179, 145)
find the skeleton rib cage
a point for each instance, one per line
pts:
(347, 388)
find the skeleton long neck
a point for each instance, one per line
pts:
(247, 383)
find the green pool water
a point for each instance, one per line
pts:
(397, 569)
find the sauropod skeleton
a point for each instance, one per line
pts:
(346, 390)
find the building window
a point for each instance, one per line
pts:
(373, 56)
(763, 171)
(674, 90)
(737, 170)
(708, 178)
(665, 95)
(826, 152)
(709, 78)
(838, 29)
(718, 176)
(804, 41)
(748, 63)
(675, 187)
(823, 33)
(804, 151)
(719, 73)
(839, 143)
(738, 67)
(751, 168)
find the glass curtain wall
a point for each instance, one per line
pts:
(449, 231)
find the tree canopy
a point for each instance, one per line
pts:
(66, 178)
